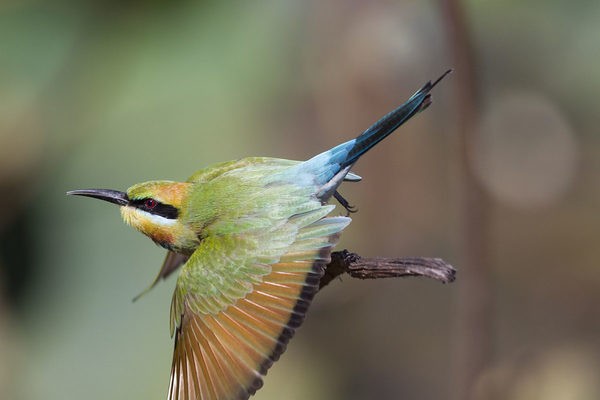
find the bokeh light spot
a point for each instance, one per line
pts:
(526, 154)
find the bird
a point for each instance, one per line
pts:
(251, 238)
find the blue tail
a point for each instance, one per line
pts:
(327, 165)
(390, 122)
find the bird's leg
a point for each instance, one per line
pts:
(344, 203)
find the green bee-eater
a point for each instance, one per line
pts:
(253, 237)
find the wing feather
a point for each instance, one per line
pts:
(231, 331)
(170, 265)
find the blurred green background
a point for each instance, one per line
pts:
(110, 93)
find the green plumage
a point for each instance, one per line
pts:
(249, 214)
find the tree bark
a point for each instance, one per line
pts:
(345, 262)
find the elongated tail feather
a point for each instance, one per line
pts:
(330, 167)
(390, 122)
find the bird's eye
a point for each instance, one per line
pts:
(150, 203)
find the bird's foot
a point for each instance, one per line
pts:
(344, 203)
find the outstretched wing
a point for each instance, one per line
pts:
(172, 262)
(239, 299)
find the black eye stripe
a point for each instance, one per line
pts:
(163, 210)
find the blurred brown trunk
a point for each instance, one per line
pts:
(474, 307)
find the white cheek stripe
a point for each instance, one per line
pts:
(157, 219)
(134, 216)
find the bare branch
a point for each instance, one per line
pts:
(380, 267)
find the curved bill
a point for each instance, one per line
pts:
(112, 196)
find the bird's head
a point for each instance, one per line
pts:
(155, 208)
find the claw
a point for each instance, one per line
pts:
(344, 203)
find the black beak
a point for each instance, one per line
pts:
(112, 196)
